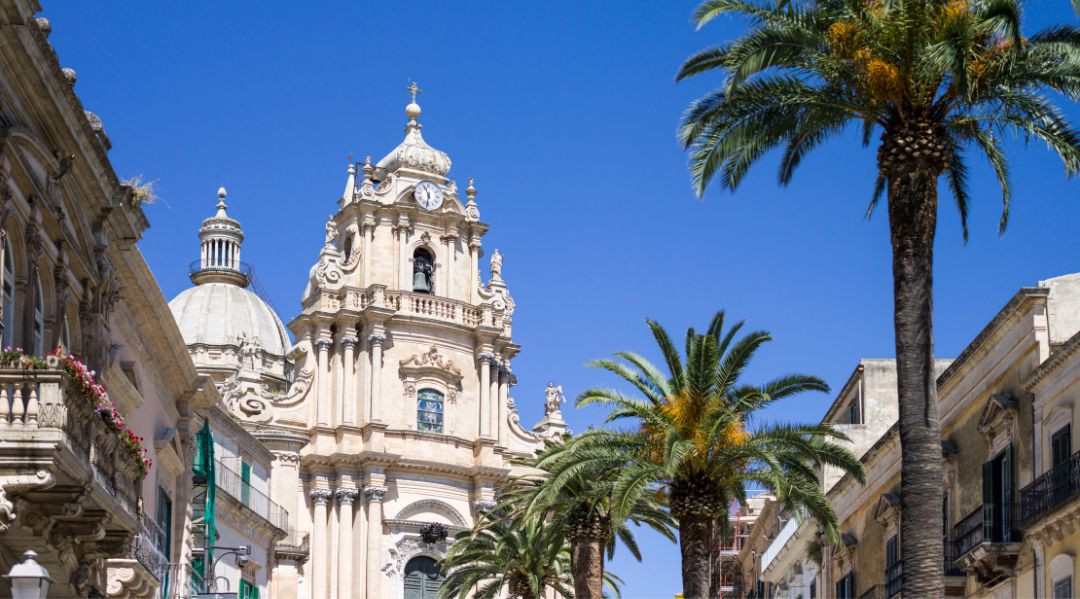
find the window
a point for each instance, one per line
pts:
(1061, 445)
(423, 272)
(1063, 589)
(998, 497)
(8, 297)
(893, 566)
(853, 412)
(813, 589)
(845, 587)
(247, 590)
(38, 345)
(429, 411)
(164, 523)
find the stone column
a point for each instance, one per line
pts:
(345, 499)
(319, 561)
(502, 411)
(486, 359)
(323, 380)
(367, 233)
(348, 402)
(376, 340)
(374, 495)
(449, 241)
(474, 269)
(493, 398)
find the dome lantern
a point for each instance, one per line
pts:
(220, 238)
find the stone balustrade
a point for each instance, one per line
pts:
(44, 424)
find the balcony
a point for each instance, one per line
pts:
(294, 547)
(1050, 491)
(988, 541)
(65, 473)
(143, 571)
(233, 485)
(779, 543)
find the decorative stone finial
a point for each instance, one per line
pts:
(413, 109)
(367, 169)
(70, 75)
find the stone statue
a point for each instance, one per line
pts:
(554, 398)
(331, 232)
(496, 265)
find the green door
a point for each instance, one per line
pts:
(422, 578)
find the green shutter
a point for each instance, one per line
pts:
(1007, 486)
(245, 482)
(203, 465)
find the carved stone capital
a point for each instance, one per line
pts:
(324, 344)
(346, 496)
(485, 505)
(320, 496)
(375, 493)
(349, 342)
(486, 358)
(376, 339)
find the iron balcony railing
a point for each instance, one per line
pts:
(989, 523)
(950, 559)
(147, 547)
(1060, 484)
(230, 482)
(894, 578)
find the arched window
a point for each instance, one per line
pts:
(429, 411)
(8, 297)
(422, 578)
(39, 320)
(423, 272)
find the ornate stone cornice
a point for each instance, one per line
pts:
(375, 493)
(320, 496)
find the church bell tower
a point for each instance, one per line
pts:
(402, 376)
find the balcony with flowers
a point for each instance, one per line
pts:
(69, 466)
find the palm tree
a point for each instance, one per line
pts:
(694, 443)
(520, 555)
(937, 78)
(581, 506)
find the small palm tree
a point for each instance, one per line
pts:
(518, 555)
(936, 78)
(694, 444)
(581, 506)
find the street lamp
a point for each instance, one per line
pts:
(29, 580)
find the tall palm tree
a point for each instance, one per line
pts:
(936, 78)
(519, 555)
(694, 443)
(581, 506)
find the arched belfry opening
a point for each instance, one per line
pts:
(423, 271)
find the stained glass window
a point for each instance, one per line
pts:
(429, 411)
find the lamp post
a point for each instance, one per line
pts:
(241, 552)
(29, 580)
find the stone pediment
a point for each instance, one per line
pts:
(999, 409)
(430, 364)
(887, 507)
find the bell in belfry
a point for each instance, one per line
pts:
(422, 272)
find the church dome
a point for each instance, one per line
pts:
(221, 313)
(220, 309)
(414, 153)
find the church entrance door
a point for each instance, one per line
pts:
(422, 578)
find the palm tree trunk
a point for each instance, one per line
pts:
(695, 543)
(587, 567)
(912, 222)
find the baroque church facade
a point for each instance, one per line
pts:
(389, 416)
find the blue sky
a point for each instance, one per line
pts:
(565, 113)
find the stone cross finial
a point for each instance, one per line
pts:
(413, 90)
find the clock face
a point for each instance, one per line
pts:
(428, 195)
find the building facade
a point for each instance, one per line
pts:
(97, 390)
(1012, 494)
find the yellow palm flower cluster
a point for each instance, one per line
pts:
(956, 9)
(842, 36)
